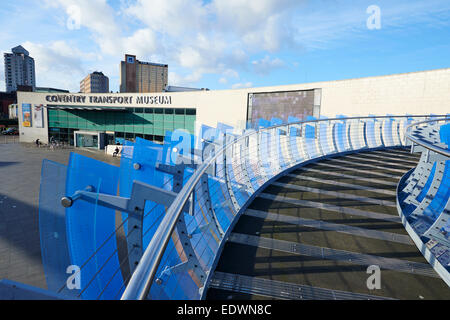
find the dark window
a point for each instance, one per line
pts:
(138, 110)
(179, 111)
(148, 137)
(168, 111)
(159, 138)
(191, 112)
(148, 110)
(159, 110)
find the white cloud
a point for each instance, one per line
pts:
(262, 25)
(220, 37)
(215, 37)
(172, 17)
(58, 64)
(188, 80)
(242, 85)
(142, 43)
(266, 65)
(223, 80)
(230, 73)
(194, 38)
(325, 26)
(100, 19)
(96, 15)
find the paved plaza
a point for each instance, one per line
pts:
(20, 171)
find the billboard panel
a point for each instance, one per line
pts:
(281, 105)
(38, 115)
(26, 114)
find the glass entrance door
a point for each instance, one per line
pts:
(87, 140)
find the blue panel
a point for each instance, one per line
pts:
(89, 226)
(222, 129)
(263, 123)
(52, 228)
(125, 173)
(148, 154)
(253, 177)
(444, 133)
(120, 141)
(326, 145)
(340, 136)
(276, 142)
(241, 196)
(206, 133)
(169, 289)
(310, 130)
(218, 196)
(276, 121)
(370, 134)
(265, 153)
(310, 139)
(439, 201)
(294, 132)
(292, 119)
(427, 185)
(387, 132)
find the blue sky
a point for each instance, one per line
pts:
(222, 44)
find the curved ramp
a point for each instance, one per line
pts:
(314, 232)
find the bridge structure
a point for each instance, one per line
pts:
(299, 210)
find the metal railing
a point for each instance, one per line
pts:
(423, 195)
(179, 259)
(423, 142)
(5, 139)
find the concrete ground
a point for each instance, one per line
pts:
(20, 171)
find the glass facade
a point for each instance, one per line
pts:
(87, 140)
(146, 123)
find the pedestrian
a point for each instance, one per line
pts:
(116, 152)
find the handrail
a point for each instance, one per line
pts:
(142, 278)
(424, 144)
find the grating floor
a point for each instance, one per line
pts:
(313, 233)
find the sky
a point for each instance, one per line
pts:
(225, 44)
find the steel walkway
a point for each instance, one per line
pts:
(313, 233)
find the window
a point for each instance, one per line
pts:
(149, 137)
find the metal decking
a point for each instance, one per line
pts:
(313, 233)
